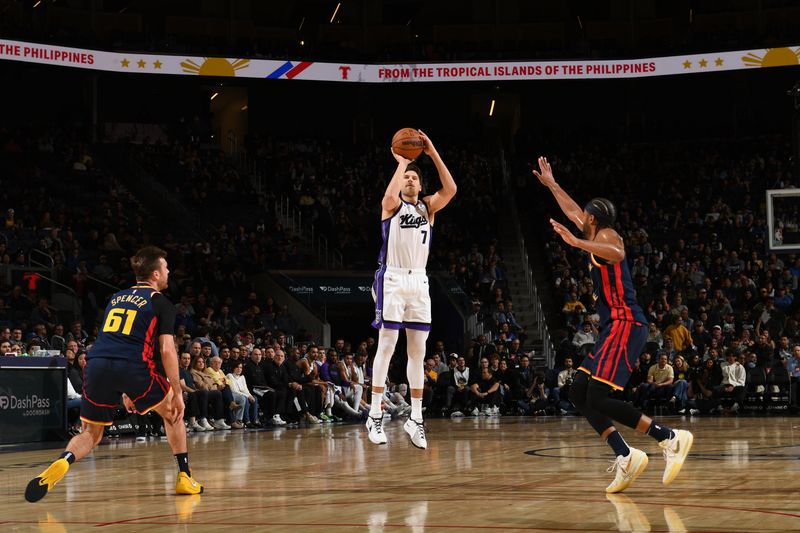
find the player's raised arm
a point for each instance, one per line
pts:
(391, 198)
(565, 202)
(608, 245)
(442, 197)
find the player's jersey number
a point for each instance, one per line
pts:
(115, 318)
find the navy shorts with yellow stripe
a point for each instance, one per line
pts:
(615, 353)
(104, 381)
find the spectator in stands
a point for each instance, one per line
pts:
(764, 349)
(680, 385)
(205, 382)
(655, 341)
(482, 348)
(300, 382)
(214, 370)
(17, 343)
(560, 393)
(75, 368)
(573, 309)
(534, 399)
(508, 381)
(40, 337)
(659, 382)
(195, 399)
(587, 335)
(44, 314)
(352, 389)
(439, 365)
(681, 338)
(458, 390)
(73, 408)
(76, 333)
(524, 377)
(278, 380)
(296, 405)
(700, 336)
(429, 385)
(733, 382)
(485, 389)
(5, 348)
(784, 350)
(248, 415)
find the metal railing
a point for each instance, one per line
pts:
(290, 216)
(49, 261)
(530, 284)
(101, 282)
(292, 219)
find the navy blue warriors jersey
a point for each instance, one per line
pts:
(614, 294)
(133, 321)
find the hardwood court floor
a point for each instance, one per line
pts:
(507, 474)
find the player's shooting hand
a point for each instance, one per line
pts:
(564, 233)
(400, 159)
(545, 173)
(427, 145)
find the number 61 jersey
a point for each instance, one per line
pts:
(133, 320)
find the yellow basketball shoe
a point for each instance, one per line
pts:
(187, 485)
(39, 486)
(675, 451)
(627, 470)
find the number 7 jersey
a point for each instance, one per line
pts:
(133, 320)
(406, 237)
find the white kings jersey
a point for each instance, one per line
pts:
(406, 237)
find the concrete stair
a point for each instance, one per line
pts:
(523, 306)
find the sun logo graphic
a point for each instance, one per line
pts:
(215, 66)
(775, 57)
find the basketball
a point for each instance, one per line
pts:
(407, 143)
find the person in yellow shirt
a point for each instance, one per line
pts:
(660, 378)
(681, 338)
(429, 388)
(573, 309)
(214, 370)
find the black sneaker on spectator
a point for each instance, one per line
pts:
(456, 414)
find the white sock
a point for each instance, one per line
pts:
(416, 409)
(375, 410)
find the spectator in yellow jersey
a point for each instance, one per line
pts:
(681, 338)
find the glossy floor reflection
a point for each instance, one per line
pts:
(508, 474)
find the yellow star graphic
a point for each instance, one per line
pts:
(157, 64)
(719, 62)
(141, 63)
(687, 64)
(703, 63)
(125, 63)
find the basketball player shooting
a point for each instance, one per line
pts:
(400, 289)
(132, 359)
(623, 335)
